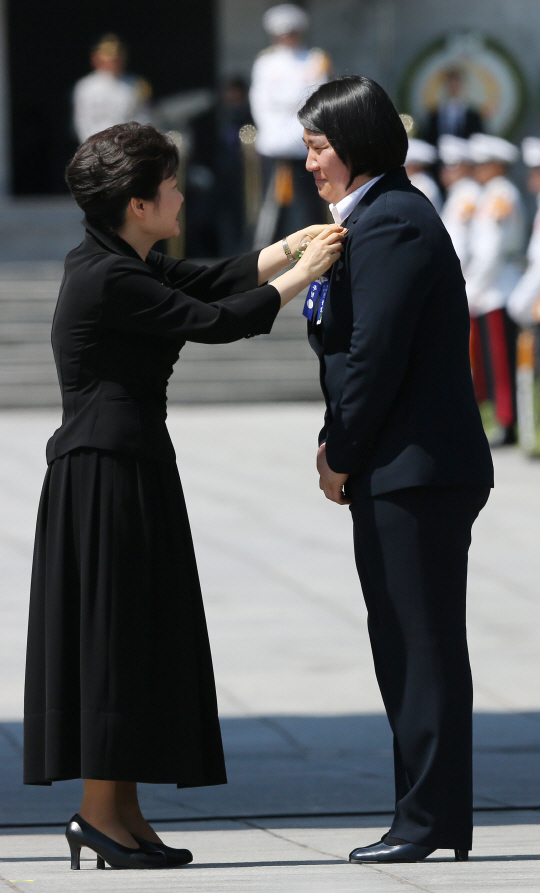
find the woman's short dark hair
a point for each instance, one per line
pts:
(111, 167)
(360, 122)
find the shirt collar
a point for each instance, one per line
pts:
(343, 208)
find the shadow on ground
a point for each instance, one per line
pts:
(293, 766)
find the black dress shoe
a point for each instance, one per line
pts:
(173, 857)
(402, 852)
(79, 833)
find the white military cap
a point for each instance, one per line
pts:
(485, 147)
(421, 152)
(285, 19)
(530, 149)
(454, 149)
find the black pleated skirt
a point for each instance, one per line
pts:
(119, 679)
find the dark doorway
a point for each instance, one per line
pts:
(171, 43)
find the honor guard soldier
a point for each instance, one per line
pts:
(524, 302)
(493, 270)
(283, 77)
(524, 308)
(108, 95)
(462, 192)
(420, 157)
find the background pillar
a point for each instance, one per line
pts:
(5, 167)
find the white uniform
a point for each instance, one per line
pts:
(496, 243)
(282, 79)
(101, 100)
(424, 154)
(524, 308)
(527, 292)
(457, 214)
(428, 186)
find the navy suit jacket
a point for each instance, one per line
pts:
(393, 347)
(119, 325)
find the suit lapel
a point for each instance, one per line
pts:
(396, 179)
(392, 180)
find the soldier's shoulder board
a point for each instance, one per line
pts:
(466, 209)
(324, 61)
(144, 90)
(266, 52)
(500, 205)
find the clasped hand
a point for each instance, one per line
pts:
(330, 482)
(325, 244)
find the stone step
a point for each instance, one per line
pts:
(38, 230)
(25, 333)
(183, 390)
(188, 370)
(40, 350)
(274, 367)
(32, 396)
(26, 352)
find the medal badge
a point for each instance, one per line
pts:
(315, 299)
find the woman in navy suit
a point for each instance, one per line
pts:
(119, 683)
(403, 444)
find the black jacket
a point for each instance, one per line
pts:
(394, 350)
(469, 123)
(119, 325)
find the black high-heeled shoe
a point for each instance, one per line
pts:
(402, 852)
(79, 833)
(174, 857)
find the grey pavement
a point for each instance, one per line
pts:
(307, 744)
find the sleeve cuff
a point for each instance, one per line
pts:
(349, 458)
(269, 305)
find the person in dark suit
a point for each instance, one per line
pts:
(453, 115)
(119, 682)
(403, 445)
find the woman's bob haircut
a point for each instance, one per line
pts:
(360, 122)
(112, 167)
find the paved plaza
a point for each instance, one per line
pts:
(307, 744)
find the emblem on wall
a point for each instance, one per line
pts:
(492, 81)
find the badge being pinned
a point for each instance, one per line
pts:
(315, 299)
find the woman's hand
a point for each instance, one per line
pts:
(330, 482)
(320, 254)
(297, 241)
(273, 259)
(323, 250)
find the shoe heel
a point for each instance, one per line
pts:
(100, 862)
(75, 855)
(461, 855)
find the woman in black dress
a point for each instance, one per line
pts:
(119, 684)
